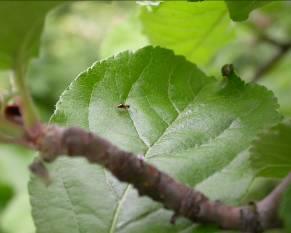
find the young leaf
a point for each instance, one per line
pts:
(182, 121)
(270, 153)
(285, 210)
(21, 23)
(239, 10)
(196, 30)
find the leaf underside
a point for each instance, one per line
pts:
(187, 124)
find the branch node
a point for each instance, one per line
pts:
(250, 219)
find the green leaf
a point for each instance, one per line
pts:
(270, 152)
(239, 10)
(12, 159)
(184, 122)
(260, 188)
(285, 211)
(21, 24)
(6, 193)
(197, 30)
(17, 217)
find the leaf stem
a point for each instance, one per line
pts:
(283, 49)
(28, 109)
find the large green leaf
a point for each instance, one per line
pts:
(21, 24)
(197, 30)
(239, 9)
(188, 124)
(271, 152)
(285, 210)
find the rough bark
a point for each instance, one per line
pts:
(53, 141)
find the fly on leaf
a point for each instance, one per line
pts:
(123, 106)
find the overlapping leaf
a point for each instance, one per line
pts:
(21, 25)
(240, 10)
(188, 124)
(197, 30)
(271, 152)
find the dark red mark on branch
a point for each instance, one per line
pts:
(13, 114)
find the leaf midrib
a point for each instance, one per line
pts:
(207, 33)
(124, 195)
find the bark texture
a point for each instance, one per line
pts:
(53, 141)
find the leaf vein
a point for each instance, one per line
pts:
(75, 214)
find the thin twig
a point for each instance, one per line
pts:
(283, 49)
(266, 38)
(30, 116)
(269, 206)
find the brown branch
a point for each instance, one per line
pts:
(269, 206)
(266, 38)
(53, 141)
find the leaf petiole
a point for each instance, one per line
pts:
(28, 110)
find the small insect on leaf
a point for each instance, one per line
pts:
(123, 106)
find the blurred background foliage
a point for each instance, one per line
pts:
(80, 33)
